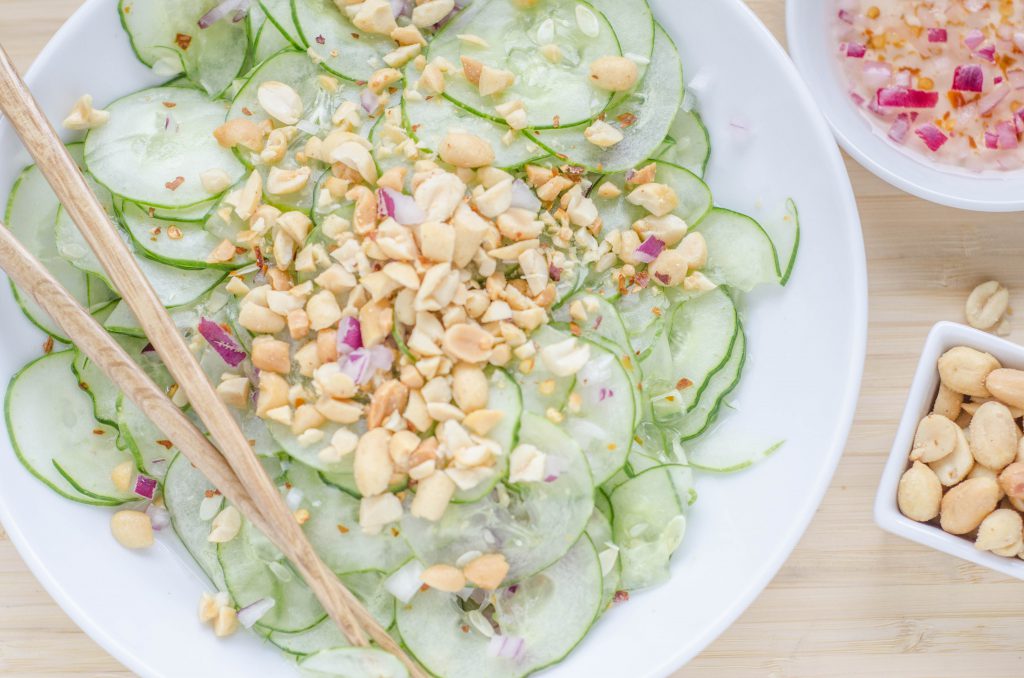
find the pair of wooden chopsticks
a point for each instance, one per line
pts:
(234, 470)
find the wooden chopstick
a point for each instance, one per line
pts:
(63, 175)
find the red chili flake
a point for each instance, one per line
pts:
(175, 185)
(288, 486)
(597, 323)
(395, 532)
(683, 384)
(84, 386)
(621, 597)
(321, 40)
(663, 278)
(355, 35)
(261, 262)
(656, 311)
(573, 172)
(98, 432)
(166, 444)
(424, 588)
(360, 83)
(252, 443)
(184, 41)
(642, 279)
(342, 529)
(556, 122)
(152, 212)
(170, 104)
(575, 329)
(626, 119)
(240, 250)
(246, 111)
(48, 345)
(209, 494)
(464, 628)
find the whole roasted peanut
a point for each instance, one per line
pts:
(1012, 480)
(986, 305)
(1007, 385)
(993, 436)
(1001, 529)
(966, 505)
(955, 467)
(935, 438)
(948, 402)
(965, 370)
(920, 493)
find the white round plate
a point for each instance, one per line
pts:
(806, 347)
(809, 31)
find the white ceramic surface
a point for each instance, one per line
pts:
(806, 347)
(809, 31)
(944, 336)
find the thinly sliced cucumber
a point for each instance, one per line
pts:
(702, 332)
(122, 321)
(730, 449)
(740, 253)
(352, 662)
(185, 488)
(532, 524)
(700, 419)
(550, 612)
(346, 51)
(212, 56)
(553, 93)
(103, 392)
(505, 397)
(695, 200)
(599, 529)
(634, 25)
(175, 243)
(175, 286)
(784, 232)
(197, 214)
(333, 527)
(147, 444)
(644, 118)
(338, 473)
(30, 215)
(650, 521)
(254, 569)
(645, 314)
(279, 13)
(55, 436)
(269, 41)
(690, 145)
(147, 146)
(429, 120)
(289, 66)
(324, 636)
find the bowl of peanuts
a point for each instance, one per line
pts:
(955, 477)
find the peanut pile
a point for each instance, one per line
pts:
(967, 461)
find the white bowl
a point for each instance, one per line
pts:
(806, 346)
(809, 31)
(944, 336)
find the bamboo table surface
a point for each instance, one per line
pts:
(851, 600)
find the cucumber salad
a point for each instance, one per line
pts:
(455, 270)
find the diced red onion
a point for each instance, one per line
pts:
(857, 99)
(252, 613)
(900, 128)
(988, 53)
(350, 335)
(222, 342)
(145, 486)
(968, 78)
(606, 393)
(649, 250)
(937, 35)
(554, 272)
(523, 197)
(405, 583)
(400, 8)
(992, 99)
(219, 12)
(241, 12)
(369, 101)
(159, 517)
(507, 647)
(932, 136)
(362, 363)
(902, 97)
(876, 73)
(973, 39)
(400, 207)
(845, 16)
(991, 140)
(998, 79)
(1007, 134)
(855, 50)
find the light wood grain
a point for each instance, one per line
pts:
(852, 600)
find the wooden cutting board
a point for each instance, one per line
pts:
(852, 600)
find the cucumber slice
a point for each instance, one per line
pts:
(428, 121)
(323, 636)
(701, 336)
(644, 118)
(740, 253)
(175, 286)
(346, 51)
(279, 13)
(289, 66)
(695, 200)
(690, 145)
(541, 389)
(146, 147)
(30, 215)
(103, 392)
(147, 444)
(197, 214)
(175, 243)
(254, 569)
(352, 662)
(532, 524)
(551, 612)
(599, 529)
(700, 419)
(505, 397)
(333, 527)
(269, 41)
(634, 25)
(650, 521)
(730, 449)
(212, 57)
(553, 94)
(185, 488)
(55, 436)
(784, 232)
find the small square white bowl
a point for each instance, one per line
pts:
(944, 336)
